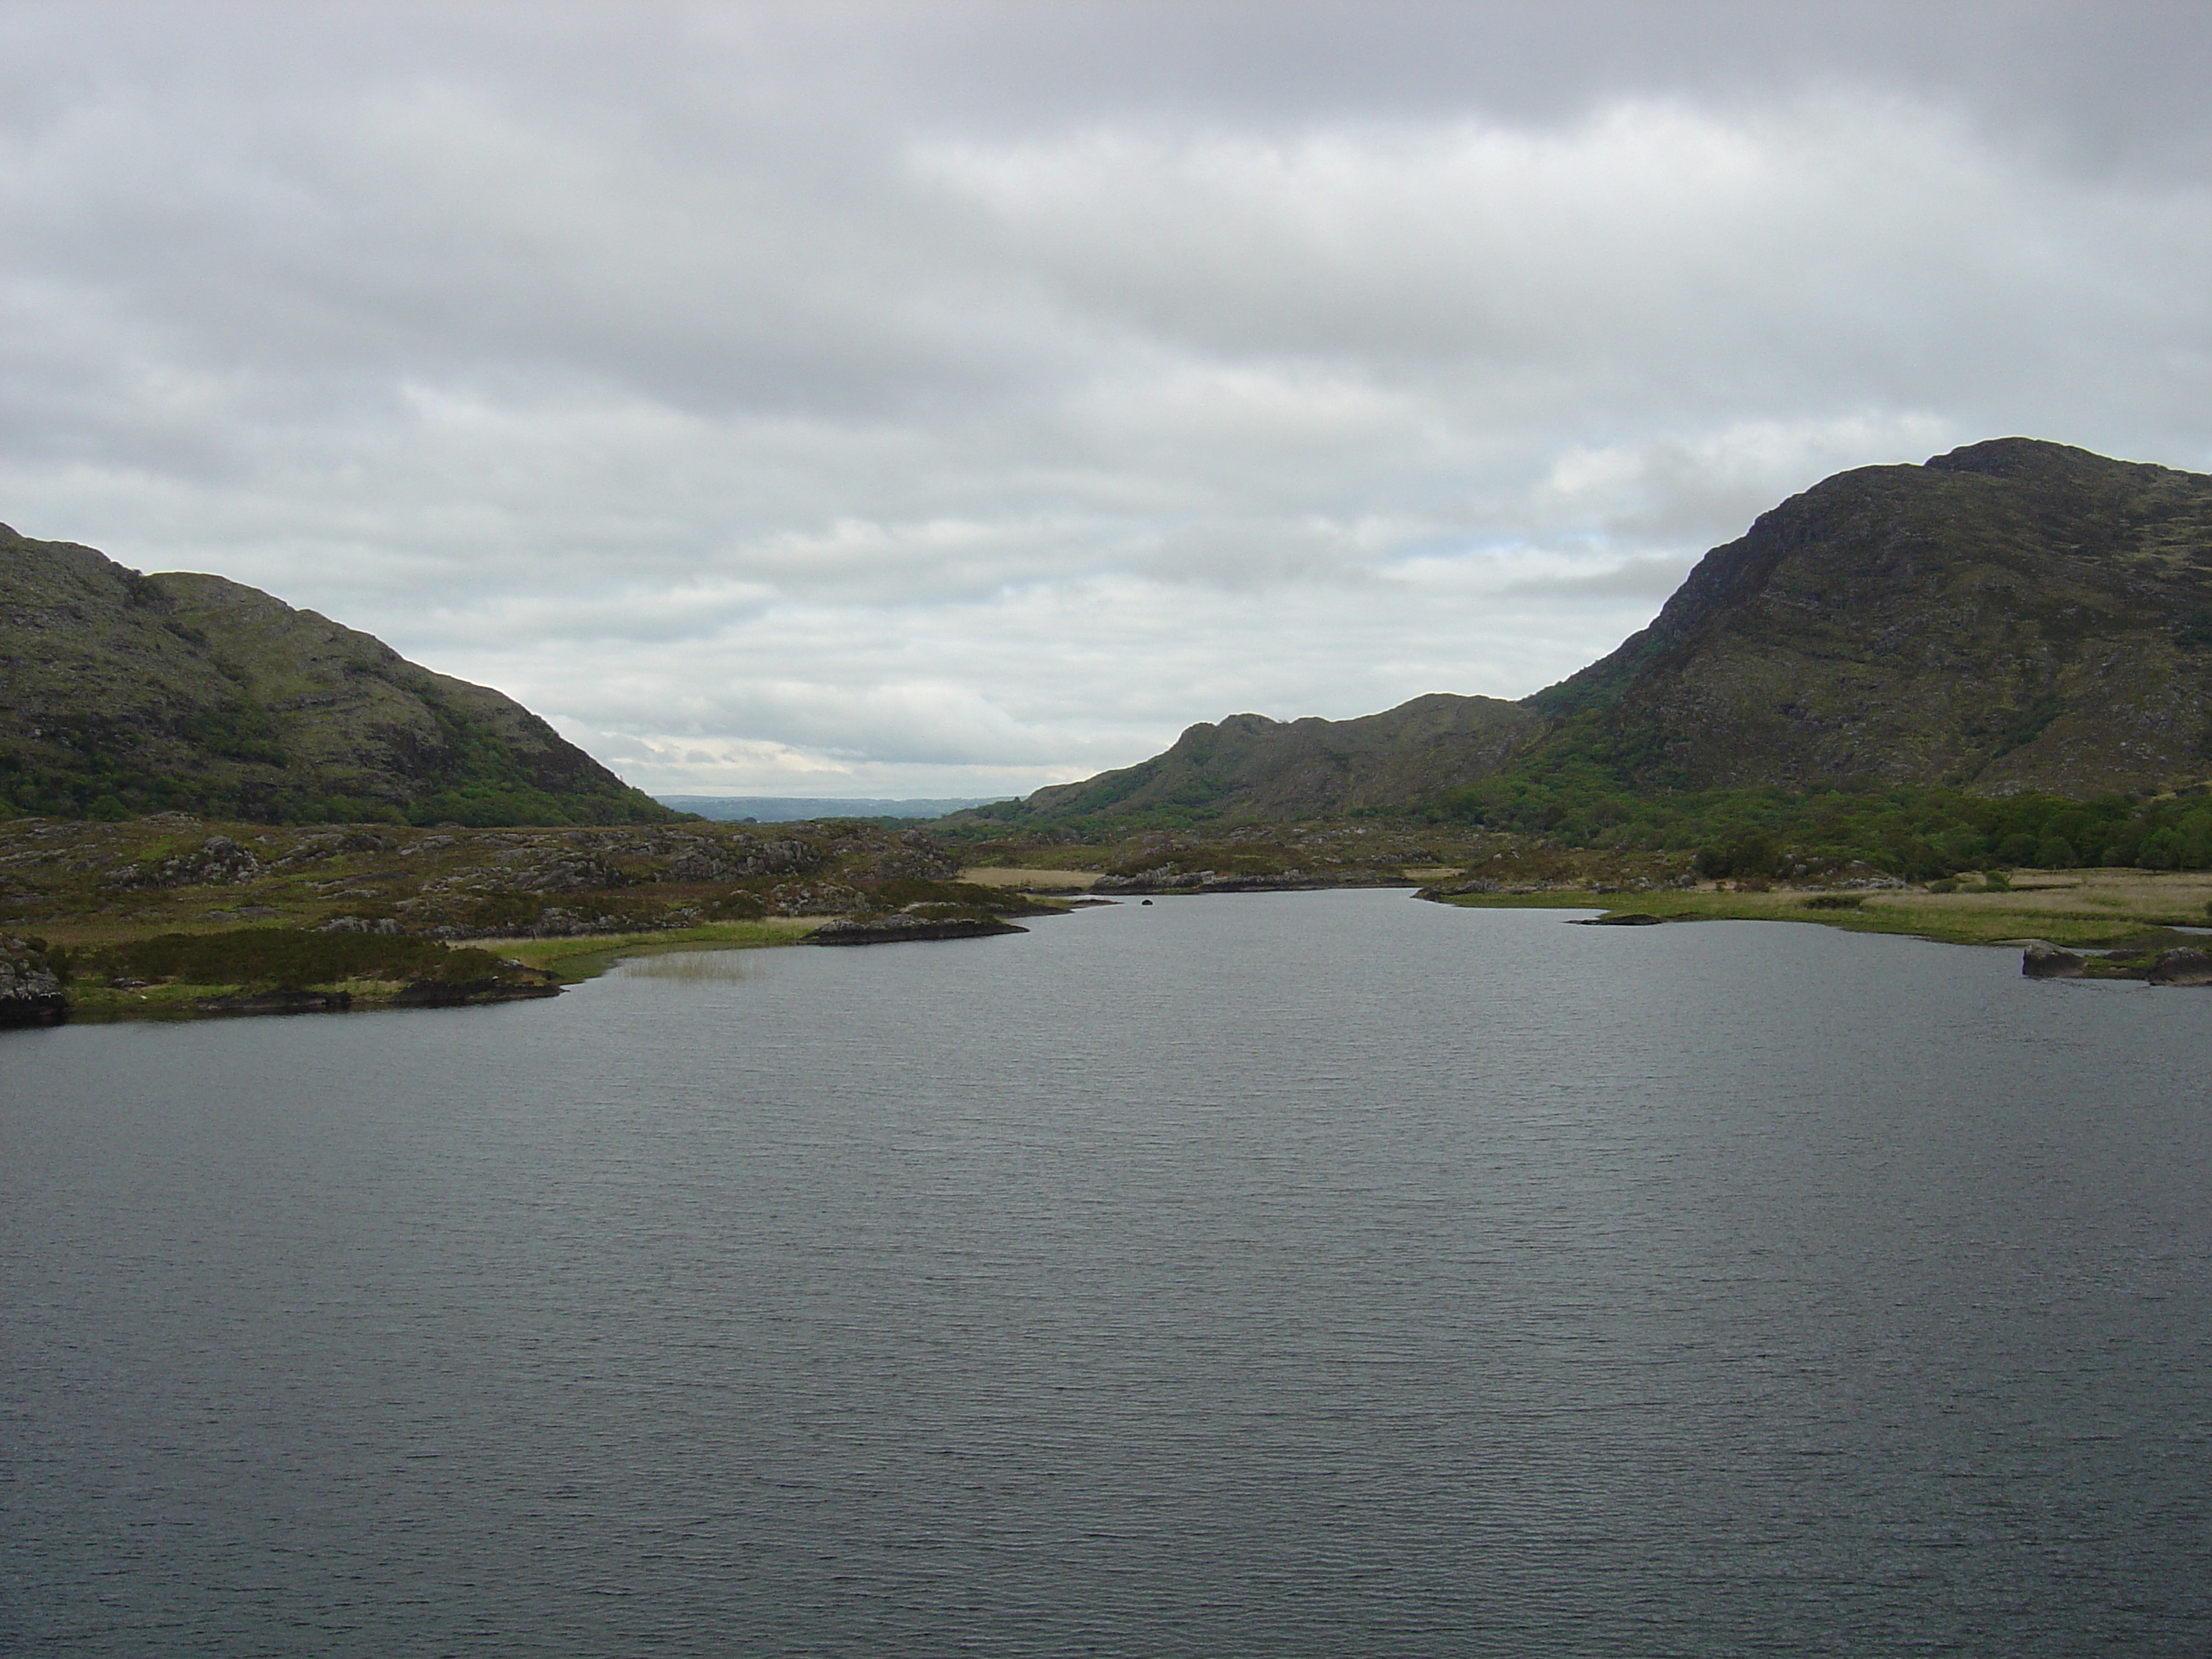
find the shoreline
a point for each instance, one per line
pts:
(2101, 910)
(2091, 908)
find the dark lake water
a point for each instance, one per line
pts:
(1304, 1274)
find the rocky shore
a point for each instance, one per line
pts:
(169, 917)
(30, 988)
(2153, 961)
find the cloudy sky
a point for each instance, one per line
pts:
(945, 398)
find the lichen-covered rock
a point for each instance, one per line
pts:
(218, 861)
(30, 989)
(814, 898)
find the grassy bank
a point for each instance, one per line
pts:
(2075, 908)
(578, 959)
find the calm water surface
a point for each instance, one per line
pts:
(1325, 1274)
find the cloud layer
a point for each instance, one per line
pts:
(950, 399)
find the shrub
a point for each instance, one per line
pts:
(1744, 855)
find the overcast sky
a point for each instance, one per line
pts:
(947, 399)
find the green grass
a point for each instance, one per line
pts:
(2067, 915)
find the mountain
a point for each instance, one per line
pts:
(791, 809)
(124, 693)
(1251, 767)
(2012, 616)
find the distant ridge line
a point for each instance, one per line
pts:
(789, 809)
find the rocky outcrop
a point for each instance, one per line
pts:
(218, 861)
(906, 926)
(2145, 959)
(2044, 960)
(2184, 966)
(30, 990)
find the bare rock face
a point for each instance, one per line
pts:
(30, 989)
(2184, 966)
(2044, 960)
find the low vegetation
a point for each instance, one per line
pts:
(169, 913)
(2094, 908)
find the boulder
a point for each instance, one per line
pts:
(2184, 966)
(30, 989)
(2044, 960)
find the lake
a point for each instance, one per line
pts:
(1293, 1274)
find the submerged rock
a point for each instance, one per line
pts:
(1624, 918)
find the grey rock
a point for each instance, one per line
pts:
(2183, 966)
(30, 990)
(2044, 960)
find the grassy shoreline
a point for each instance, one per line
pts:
(568, 960)
(585, 956)
(2072, 908)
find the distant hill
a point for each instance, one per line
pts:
(122, 693)
(2013, 616)
(788, 809)
(1249, 766)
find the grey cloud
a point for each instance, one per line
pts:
(969, 391)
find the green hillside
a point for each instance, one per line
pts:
(123, 694)
(2014, 622)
